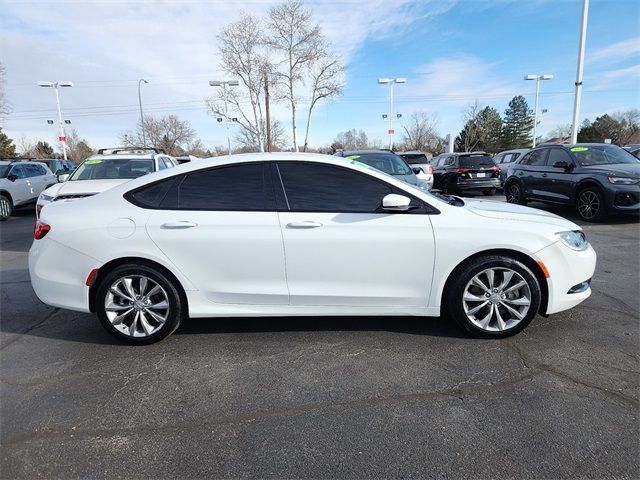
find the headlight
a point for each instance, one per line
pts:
(623, 180)
(576, 240)
(45, 198)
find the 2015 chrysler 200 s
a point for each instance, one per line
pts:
(301, 234)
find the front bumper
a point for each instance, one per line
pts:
(623, 199)
(567, 269)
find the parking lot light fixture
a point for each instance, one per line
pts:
(391, 82)
(537, 79)
(224, 84)
(55, 85)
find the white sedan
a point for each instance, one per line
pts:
(300, 234)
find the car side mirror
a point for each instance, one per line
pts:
(562, 164)
(396, 203)
(11, 177)
(63, 178)
(62, 171)
(417, 170)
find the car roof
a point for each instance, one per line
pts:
(514, 150)
(411, 152)
(124, 156)
(365, 152)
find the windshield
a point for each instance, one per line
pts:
(602, 155)
(4, 170)
(98, 169)
(385, 162)
(477, 161)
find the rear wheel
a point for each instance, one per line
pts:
(6, 208)
(494, 296)
(489, 192)
(590, 205)
(514, 194)
(139, 305)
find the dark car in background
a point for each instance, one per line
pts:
(503, 159)
(455, 173)
(596, 178)
(58, 165)
(388, 162)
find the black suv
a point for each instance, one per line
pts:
(458, 172)
(597, 178)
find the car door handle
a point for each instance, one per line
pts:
(307, 224)
(179, 225)
(520, 172)
(544, 174)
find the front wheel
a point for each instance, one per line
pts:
(590, 205)
(493, 297)
(139, 304)
(6, 208)
(514, 194)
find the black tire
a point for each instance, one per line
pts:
(175, 313)
(514, 194)
(590, 205)
(454, 294)
(490, 192)
(6, 208)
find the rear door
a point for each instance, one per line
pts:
(342, 249)
(219, 227)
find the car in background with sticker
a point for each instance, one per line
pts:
(388, 162)
(596, 178)
(110, 167)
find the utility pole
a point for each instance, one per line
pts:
(266, 106)
(537, 78)
(580, 72)
(144, 133)
(391, 82)
(62, 137)
(224, 84)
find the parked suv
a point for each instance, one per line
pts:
(417, 159)
(460, 172)
(110, 167)
(503, 159)
(21, 183)
(596, 178)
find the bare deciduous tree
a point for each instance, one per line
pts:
(351, 140)
(327, 81)
(241, 48)
(168, 133)
(5, 108)
(26, 147)
(420, 133)
(299, 43)
(78, 149)
(248, 142)
(561, 131)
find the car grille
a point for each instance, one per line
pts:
(73, 196)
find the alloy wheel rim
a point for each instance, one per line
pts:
(497, 299)
(588, 204)
(4, 208)
(136, 305)
(514, 194)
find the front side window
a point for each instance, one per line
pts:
(326, 188)
(18, 171)
(102, 169)
(535, 158)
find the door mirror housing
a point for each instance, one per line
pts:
(11, 177)
(61, 171)
(396, 203)
(562, 164)
(63, 178)
(417, 170)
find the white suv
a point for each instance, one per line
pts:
(110, 167)
(21, 183)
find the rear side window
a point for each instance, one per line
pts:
(326, 188)
(558, 155)
(151, 195)
(535, 158)
(34, 170)
(476, 161)
(415, 159)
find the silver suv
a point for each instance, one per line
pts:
(21, 183)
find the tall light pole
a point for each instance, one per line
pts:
(144, 134)
(391, 82)
(224, 84)
(537, 78)
(61, 138)
(580, 71)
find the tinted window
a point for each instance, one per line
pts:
(18, 171)
(389, 163)
(325, 188)
(476, 161)
(151, 195)
(449, 161)
(558, 155)
(33, 170)
(535, 158)
(413, 159)
(233, 188)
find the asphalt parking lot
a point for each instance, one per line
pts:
(324, 397)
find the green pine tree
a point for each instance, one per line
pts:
(7, 148)
(518, 124)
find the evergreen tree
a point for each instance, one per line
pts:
(489, 127)
(7, 148)
(518, 124)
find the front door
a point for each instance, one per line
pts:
(342, 249)
(21, 189)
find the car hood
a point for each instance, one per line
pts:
(84, 186)
(620, 169)
(510, 211)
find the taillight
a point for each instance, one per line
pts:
(432, 169)
(496, 168)
(462, 170)
(40, 230)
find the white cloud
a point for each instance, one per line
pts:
(615, 52)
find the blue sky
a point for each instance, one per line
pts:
(451, 52)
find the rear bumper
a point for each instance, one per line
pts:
(478, 184)
(567, 269)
